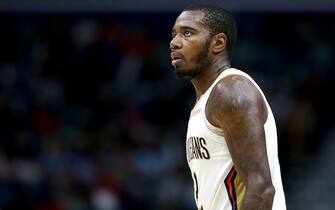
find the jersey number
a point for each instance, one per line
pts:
(196, 186)
(197, 189)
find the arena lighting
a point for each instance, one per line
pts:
(161, 6)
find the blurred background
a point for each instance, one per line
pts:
(93, 118)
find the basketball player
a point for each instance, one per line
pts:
(231, 139)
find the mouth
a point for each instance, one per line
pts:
(174, 62)
(175, 57)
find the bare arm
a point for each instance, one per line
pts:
(237, 107)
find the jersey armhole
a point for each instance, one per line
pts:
(216, 133)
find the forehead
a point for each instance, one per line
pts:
(193, 19)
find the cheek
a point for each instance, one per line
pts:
(193, 50)
(191, 54)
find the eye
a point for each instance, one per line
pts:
(188, 33)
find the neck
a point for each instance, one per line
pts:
(207, 76)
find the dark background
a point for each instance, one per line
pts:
(92, 116)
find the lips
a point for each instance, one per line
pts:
(176, 56)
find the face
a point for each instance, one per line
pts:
(190, 44)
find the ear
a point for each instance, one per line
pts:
(219, 43)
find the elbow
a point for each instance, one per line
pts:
(268, 191)
(264, 190)
(259, 195)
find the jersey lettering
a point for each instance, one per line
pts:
(197, 148)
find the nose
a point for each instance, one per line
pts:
(175, 43)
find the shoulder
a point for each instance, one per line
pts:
(233, 95)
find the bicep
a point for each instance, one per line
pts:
(245, 138)
(238, 109)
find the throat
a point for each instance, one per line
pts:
(203, 81)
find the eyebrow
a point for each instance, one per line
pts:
(184, 28)
(187, 28)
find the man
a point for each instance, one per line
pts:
(231, 138)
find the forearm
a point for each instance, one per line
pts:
(258, 198)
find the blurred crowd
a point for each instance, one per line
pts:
(92, 116)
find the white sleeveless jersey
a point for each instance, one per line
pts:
(217, 186)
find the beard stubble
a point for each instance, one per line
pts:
(201, 60)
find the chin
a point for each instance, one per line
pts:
(185, 74)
